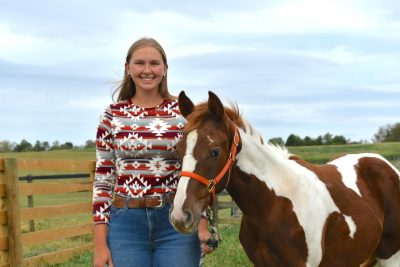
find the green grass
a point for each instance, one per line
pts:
(311, 153)
(83, 260)
(230, 252)
(322, 154)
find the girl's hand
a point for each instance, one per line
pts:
(102, 254)
(102, 257)
(204, 235)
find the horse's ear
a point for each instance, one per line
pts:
(186, 105)
(215, 105)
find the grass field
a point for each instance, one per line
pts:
(311, 153)
(322, 154)
(229, 254)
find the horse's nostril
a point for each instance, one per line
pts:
(189, 218)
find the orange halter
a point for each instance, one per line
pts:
(210, 184)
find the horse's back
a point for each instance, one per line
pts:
(379, 185)
(366, 189)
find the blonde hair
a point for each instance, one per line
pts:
(126, 88)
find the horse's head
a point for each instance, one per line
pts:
(205, 150)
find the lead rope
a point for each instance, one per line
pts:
(215, 238)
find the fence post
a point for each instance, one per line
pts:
(30, 204)
(215, 211)
(234, 210)
(9, 177)
(92, 169)
(4, 257)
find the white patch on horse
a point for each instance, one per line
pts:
(288, 179)
(393, 261)
(210, 139)
(351, 224)
(346, 166)
(189, 164)
(252, 132)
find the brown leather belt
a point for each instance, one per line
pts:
(150, 201)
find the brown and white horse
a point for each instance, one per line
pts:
(344, 213)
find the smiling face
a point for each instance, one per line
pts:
(146, 68)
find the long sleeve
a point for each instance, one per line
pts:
(104, 180)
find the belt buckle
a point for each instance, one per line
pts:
(161, 196)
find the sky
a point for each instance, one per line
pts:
(306, 67)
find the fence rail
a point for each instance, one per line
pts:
(60, 176)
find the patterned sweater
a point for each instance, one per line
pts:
(135, 153)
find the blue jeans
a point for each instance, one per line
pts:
(146, 238)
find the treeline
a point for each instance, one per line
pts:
(386, 133)
(25, 146)
(327, 139)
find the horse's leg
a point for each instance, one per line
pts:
(262, 254)
(247, 240)
(251, 245)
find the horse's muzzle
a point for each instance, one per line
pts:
(183, 222)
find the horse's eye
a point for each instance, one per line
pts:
(215, 152)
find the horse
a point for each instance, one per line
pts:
(343, 213)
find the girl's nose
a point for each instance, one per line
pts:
(146, 68)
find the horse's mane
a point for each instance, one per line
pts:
(201, 113)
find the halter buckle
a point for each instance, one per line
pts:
(236, 139)
(210, 186)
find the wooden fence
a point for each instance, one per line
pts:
(12, 239)
(232, 215)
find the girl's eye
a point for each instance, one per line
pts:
(215, 153)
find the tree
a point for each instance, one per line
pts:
(339, 140)
(38, 146)
(319, 141)
(6, 146)
(294, 140)
(276, 141)
(55, 145)
(327, 139)
(67, 145)
(388, 133)
(90, 144)
(23, 146)
(45, 145)
(308, 141)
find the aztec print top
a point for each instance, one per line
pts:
(135, 153)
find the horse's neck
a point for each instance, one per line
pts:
(256, 156)
(270, 167)
(266, 168)
(256, 164)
